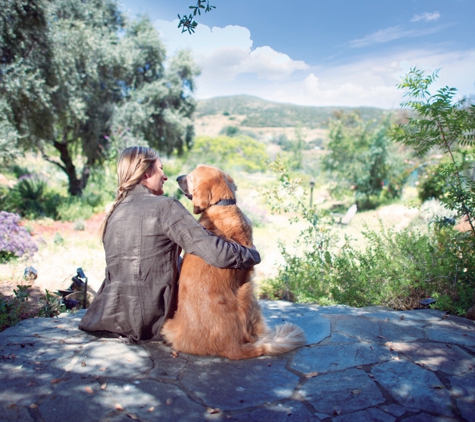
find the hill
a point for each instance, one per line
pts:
(256, 112)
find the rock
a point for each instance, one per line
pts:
(471, 313)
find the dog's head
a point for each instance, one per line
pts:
(205, 186)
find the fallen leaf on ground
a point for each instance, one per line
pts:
(132, 416)
(169, 401)
(83, 363)
(336, 411)
(103, 386)
(88, 390)
(212, 411)
(119, 407)
(102, 369)
(151, 409)
(33, 406)
(355, 392)
(56, 380)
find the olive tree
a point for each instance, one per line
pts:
(72, 72)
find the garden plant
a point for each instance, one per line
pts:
(396, 268)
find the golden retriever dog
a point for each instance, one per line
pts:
(217, 312)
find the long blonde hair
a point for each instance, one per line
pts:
(133, 163)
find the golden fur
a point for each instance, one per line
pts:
(218, 313)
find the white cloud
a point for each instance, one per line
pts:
(391, 34)
(372, 81)
(225, 53)
(230, 66)
(426, 16)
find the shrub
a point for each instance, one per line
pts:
(79, 225)
(74, 208)
(432, 185)
(227, 152)
(50, 305)
(15, 240)
(396, 269)
(12, 311)
(31, 198)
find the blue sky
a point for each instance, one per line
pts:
(321, 52)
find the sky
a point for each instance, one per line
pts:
(321, 52)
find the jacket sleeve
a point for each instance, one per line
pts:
(182, 228)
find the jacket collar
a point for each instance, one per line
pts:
(140, 189)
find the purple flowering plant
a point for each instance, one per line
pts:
(15, 241)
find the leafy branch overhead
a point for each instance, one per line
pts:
(187, 22)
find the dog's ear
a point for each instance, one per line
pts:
(201, 198)
(230, 181)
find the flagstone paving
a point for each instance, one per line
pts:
(367, 364)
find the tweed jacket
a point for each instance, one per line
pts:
(143, 240)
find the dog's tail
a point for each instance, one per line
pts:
(282, 339)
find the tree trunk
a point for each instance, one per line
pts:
(76, 185)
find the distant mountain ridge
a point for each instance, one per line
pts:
(263, 113)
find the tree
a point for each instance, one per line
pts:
(441, 123)
(72, 72)
(361, 159)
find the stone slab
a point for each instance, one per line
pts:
(463, 389)
(376, 330)
(336, 357)
(438, 357)
(413, 386)
(282, 412)
(239, 384)
(346, 391)
(316, 327)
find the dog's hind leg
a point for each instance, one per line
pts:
(244, 351)
(249, 314)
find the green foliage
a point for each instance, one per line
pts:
(293, 149)
(50, 305)
(432, 185)
(12, 310)
(396, 269)
(79, 225)
(73, 208)
(362, 159)
(58, 239)
(444, 124)
(226, 152)
(230, 131)
(187, 22)
(72, 72)
(32, 198)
